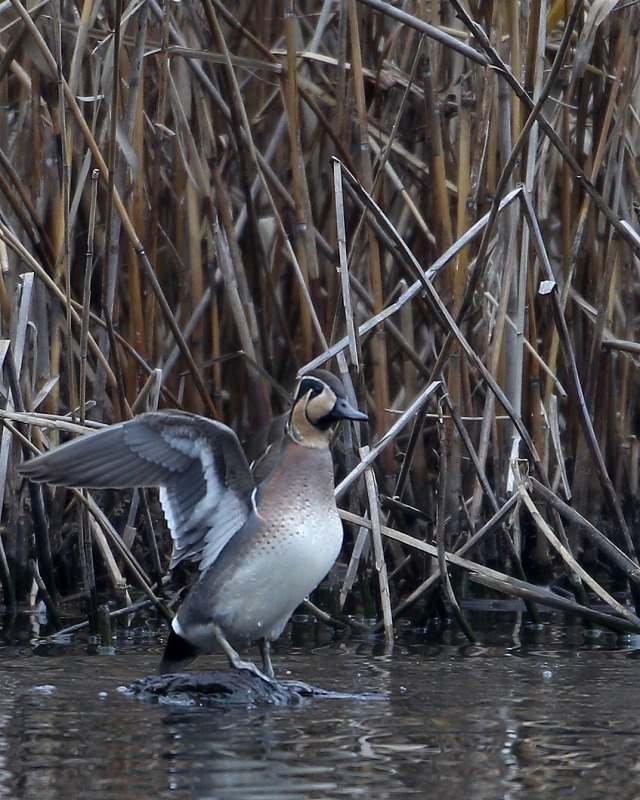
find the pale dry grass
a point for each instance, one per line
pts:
(440, 201)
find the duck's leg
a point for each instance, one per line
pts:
(265, 652)
(234, 658)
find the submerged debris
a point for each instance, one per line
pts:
(232, 688)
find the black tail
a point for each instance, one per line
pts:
(178, 652)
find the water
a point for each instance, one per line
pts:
(556, 714)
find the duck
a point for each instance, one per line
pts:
(261, 546)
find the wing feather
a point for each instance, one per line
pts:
(204, 478)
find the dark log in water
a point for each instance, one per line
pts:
(232, 688)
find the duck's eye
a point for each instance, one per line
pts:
(310, 385)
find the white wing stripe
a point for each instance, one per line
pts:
(201, 524)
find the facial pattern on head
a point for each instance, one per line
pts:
(320, 402)
(310, 421)
(318, 398)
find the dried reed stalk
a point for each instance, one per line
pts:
(440, 198)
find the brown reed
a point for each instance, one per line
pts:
(440, 199)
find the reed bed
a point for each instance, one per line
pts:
(199, 201)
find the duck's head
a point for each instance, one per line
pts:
(320, 402)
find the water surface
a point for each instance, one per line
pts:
(511, 719)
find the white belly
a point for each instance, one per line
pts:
(285, 548)
(263, 593)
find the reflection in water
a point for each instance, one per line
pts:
(266, 756)
(503, 721)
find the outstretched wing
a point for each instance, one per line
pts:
(204, 478)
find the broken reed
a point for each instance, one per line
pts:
(440, 200)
